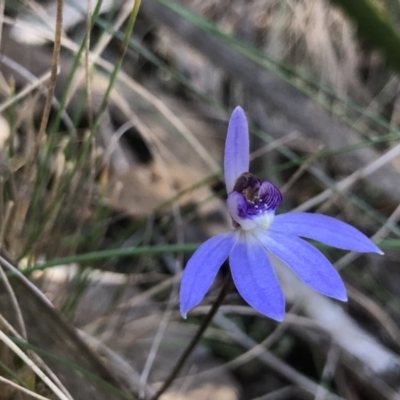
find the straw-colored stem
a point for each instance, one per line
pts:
(53, 74)
(12, 346)
(22, 389)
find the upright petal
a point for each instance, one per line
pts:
(255, 278)
(308, 263)
(202, 269)
(327, 230)
(236, 160)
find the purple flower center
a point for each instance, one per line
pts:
(259, 197)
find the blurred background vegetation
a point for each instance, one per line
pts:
(112, 125)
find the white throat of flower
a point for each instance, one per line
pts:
(264, 220)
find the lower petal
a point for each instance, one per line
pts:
(255, 278)
(308, 263)
(202, 269)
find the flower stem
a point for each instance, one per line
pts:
(205, 323)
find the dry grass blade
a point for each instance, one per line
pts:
(344, 184)
(14, 302)
(22, 389)
(284, 393)
(298, 173)
(87, 64)
(35, 82)
(122, 368)
(10, 344)
(53, 73)
(328, 371)
(272, 361)
(377, 237)
(4, 277)
(56, 337)
(370, 307)
(252, 353)
(169, 310)
(23, 93)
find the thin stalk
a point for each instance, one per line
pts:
(118, 63)
(13, 347)
(204, 325)
(47, 108)
(67, 94)
(22, 389)
(106, 254)
(89, 98)
(88, 142)
(53, 75)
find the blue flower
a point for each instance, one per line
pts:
(258, 232)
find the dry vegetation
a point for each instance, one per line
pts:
(100, 205)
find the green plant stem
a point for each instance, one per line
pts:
(204, 325)
(106, 254)
(118, 64)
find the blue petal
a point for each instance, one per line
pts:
(237, 148)
(202, 269)
(308, 263)
(322, 228)
(255, 278)
(237, 207)
(270, 196)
